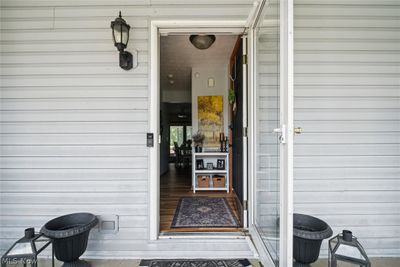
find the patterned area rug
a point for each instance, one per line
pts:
(202, 212)
(195, 263)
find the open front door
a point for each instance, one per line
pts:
(271, 137)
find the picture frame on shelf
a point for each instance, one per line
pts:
(199, 164)
(210, 166)
(221, 164)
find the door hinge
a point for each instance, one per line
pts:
(245, 205)
(244, 59)
(244, 131)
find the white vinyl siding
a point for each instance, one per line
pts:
(73, 123)
(347, 100)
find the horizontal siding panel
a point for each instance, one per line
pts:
(51, 210)
(69, 35)
(370, 172)
(338, 138)
(339, 102)
(348, 221)
(338, 126)
(353, 57)
(85, 3)
(337, 150)
(122, 234)
(37, 221)
(340, 22)
(72, 127)
(348, 197)
(73, 139)
(73, 162)
(74, 91)
(74, 104)
(322, 209)
(73, 151)
(70, 69)
(121, 186)
(77, 3)
(328, 173)
(88, 45)
(333, 161)
(183, 11)
(138, 80)
(43, 58)
(43, 24)
(21, 13)
(50, 23)
(74, 115)
(94, 174)
(335, 79)
(381, 11)
(340, 68)
(347, 33)
(337, 114)
(322, 44)
(98, 22)
(314, 185)
(80, 197)
(334, 91)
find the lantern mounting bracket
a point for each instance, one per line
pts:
(125, 60)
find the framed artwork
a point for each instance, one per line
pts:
(210, 166)
(199, 164)
(211, 118)
(221, 164)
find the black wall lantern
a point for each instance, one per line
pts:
(120, 32)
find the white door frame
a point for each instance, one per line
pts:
(286, 149)
(170, 26)
(286, 84)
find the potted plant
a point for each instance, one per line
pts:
(198, 140)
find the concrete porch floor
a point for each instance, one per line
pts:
(376, 262)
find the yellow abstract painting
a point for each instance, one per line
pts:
(211, 118)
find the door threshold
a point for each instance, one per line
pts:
(208, 235)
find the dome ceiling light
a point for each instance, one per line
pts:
(202, 41)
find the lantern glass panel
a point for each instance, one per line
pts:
(117, 33)
(124, 34)
(21, 249)
(349, 251)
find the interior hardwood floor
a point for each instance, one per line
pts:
(176, 184)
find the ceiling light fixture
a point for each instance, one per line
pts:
(202, 41)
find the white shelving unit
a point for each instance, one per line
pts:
(210, 157)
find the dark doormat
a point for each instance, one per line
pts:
(195, 263)
(204, 212)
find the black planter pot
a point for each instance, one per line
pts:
(308, 233)
(70, 234)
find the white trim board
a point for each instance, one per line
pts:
(170, 27)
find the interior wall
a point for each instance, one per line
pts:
(200, 88)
